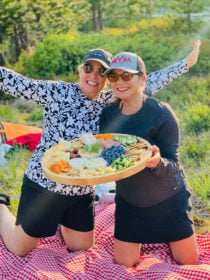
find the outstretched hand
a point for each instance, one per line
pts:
(192, 58)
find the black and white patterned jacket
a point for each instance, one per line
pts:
(68, 113)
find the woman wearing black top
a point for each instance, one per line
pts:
(153, 205)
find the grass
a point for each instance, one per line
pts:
(11, 176)
(8, 113)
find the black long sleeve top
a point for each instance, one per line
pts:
(156, 123)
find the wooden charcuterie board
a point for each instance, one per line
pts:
(135, 156)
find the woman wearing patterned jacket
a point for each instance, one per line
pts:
(70, 110)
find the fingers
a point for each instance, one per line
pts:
(154, 149)
(197, 44)
(155, 159)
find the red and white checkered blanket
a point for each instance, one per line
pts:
(51, 260)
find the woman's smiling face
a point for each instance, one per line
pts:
(127, 89)
(91, 83)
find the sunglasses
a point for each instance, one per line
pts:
(89, 68)
(125, 76)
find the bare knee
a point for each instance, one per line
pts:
(189, 260)
(126, 253)
(20, 243)
(77, 240)
(185, 252)
(20, 252)
(125, 261)
(85, 245)
(21, 249)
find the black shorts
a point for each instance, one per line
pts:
(165, 222)
(40, 211)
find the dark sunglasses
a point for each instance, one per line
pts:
(89, 68)
(125, 76)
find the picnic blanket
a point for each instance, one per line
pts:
(31, 140)
(51, 260)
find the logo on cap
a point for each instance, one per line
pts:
(121, 59)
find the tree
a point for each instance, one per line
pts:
(119, 12)
(187, 7)
(96, 7)
(13, 23)
(148, 7)
(24, 22)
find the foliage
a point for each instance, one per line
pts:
(21, 113)
(4, 96)
(59, 55)
(195, 155)
(11, 176)
(187, 7)
(23, 106)
(185, 92)
(196, 148)
(8, 113)
(37, 115)
(198, 118)
(23, 22)
(199, 181)
(130, 9)
(56, 55)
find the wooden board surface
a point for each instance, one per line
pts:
(93, 180)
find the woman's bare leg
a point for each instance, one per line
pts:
(15, 239)
(126, 253)
(185, 251)
(77, 240)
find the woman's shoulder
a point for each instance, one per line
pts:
(155, 104)
(163, 109)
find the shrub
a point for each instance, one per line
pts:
(60, 55)
(23, 106)
(199, 182)
(185, 91)
(8, 113)
(6, 97)
(198, 118)
(196, 148)
(56, 55)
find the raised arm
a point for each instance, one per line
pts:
(19, 86)
(159, 79)
(192, 58)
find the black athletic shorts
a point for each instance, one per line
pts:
(165, 222)
(40, 210)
